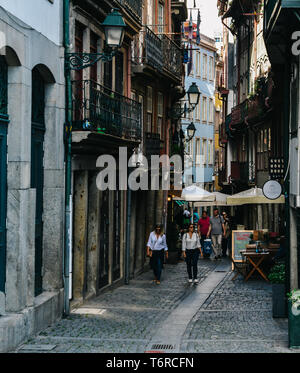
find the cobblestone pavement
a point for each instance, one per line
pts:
(236, 317)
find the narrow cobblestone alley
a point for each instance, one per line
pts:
(217, 315)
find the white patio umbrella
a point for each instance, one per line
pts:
(221, 200)
(251, 196)
(193, 193)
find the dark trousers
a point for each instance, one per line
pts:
(191, 262)
(224, 245)
(157, 261)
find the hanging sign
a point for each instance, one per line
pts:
(272, 189)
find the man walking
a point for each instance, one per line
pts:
(203, 227)
(216, 229)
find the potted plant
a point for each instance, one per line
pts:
(277, 279)
(294, 318)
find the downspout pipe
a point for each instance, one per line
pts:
(68, 164)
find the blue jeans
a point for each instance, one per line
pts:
(192, 257)
(157, 262)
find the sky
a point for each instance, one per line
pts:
(210, 22)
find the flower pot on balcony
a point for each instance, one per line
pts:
(294, 324)
(279, 308)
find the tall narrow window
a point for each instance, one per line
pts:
(93, 48)
(204, 109)
(198, 151)
(211, 68)
(210, 152)
(204, 66)
(160, 19)
(160, 113)
(119, 73)
(149, 108)
(211, 110)
(204, 151)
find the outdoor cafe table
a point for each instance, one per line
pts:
(256, 260)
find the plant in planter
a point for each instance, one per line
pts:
(277, 279)
(294, 318)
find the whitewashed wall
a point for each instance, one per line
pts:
(44, 16)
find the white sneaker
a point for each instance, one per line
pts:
(196, 281)
(190, 280)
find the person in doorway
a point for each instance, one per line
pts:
(191, 248)
(216, 229)
(227, 234)
(156, 249)
(203, 226)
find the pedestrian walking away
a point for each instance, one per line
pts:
(156, 249)
(217, 230)
(191, 248)
(203, 227)
(226, 238)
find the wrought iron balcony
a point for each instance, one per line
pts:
(160, 53)
(99, 109)
(134, 7)
(172, 57)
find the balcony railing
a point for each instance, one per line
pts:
(172, 56)
(99, 109)
(153, 50)
(161, 53)
(134, 7)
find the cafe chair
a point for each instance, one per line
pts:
(240, 268)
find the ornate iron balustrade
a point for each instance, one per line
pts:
(153, 50)
(134, 7)
(147, 49)
(172, 56)
(97, 108)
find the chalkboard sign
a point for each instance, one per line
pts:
(239, 241)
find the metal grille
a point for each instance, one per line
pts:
(163, 347)
(97, 108)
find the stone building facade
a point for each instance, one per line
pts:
(32, 168)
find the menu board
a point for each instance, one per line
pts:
(239, 241)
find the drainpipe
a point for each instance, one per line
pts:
(68, 165)
(127, 249)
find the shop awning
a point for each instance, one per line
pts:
(252, 196)
(180, 203)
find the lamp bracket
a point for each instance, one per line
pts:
(79, 61)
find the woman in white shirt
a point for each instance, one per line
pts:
(191, 248)
(156, 248)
